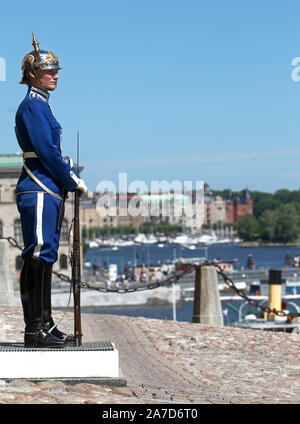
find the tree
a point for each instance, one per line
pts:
(247, 227)
(286, 225)
(280, 225)
(262, 202)
(267, 225)
(283, 196)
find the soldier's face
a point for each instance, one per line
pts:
(47, 79)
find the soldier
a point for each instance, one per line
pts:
(45, 179)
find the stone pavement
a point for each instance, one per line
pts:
(166, 362)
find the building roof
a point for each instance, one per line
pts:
(11, 162)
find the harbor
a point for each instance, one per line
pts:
(158, 303)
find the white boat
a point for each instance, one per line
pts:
(123, 243)
(92, 244)
(223, 241)
(105, 242)
(162, 239)
(207, 239)
(142, 239)
(189, 246)
(184, 240)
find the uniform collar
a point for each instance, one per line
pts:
(44, 95)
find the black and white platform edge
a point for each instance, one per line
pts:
(95, 361)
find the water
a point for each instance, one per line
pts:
(264, 257)
(184, 311)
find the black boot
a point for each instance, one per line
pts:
(48, 322)
(31, 290)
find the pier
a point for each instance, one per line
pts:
(249, 276)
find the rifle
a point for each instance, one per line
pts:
(76, 262)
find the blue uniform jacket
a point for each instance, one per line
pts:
(38, 131)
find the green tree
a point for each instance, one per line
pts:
(262, 202)
(280, 225)
(286, 223)
(267, 225)
(283, 195)
(247, 227)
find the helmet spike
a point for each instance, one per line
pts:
(35, 43)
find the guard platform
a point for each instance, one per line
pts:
(92, 361)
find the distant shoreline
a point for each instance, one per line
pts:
(262, 244)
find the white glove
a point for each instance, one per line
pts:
(82, 186)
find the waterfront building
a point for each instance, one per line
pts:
(175, 208)
(133, 209)
(214, 210)
(161, 207)
(110, 211)
(237, 206)
(218, 210)
(89, 216)
(128, 210)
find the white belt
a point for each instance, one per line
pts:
(28, 155)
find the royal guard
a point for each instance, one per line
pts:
(41, 189)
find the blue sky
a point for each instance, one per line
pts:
(184, 90)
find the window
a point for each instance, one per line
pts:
(64, 235)
(63, 261)
(18, 231)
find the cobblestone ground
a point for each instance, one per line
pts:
(168, 362)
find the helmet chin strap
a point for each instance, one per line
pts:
(38, 78)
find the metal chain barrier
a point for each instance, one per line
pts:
(252, 302)
(12, 242)
(170, 280)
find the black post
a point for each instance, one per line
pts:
(196, 307)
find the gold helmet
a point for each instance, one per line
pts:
(38, 59)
